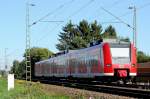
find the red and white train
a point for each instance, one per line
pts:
(104, 61)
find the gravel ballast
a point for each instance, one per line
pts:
(80, 93)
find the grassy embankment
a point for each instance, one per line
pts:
(35, 91)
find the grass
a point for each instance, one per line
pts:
(36, 90)
(22, 91)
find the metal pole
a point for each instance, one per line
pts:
(28, 58)
(6, 60)
(135, 31)
(134, 26)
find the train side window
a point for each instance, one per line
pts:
(63, 62)
(82, 61)
(85, 61)
(93, 62)
(96, 60)
(88, 60)
(45, 67)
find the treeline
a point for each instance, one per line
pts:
(72, 37)
(37, 54)
(75, 36)
(142, 57)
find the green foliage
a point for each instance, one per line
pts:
(18, 68)
(109, 32)
(3, 73)
(66, 36)
(15, 66)
(37, 54)
(96, 30)
(142, 57)
(78, 36)
(77, 42)
(22, 91)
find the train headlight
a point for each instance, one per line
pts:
(133, 65)
(108, 65)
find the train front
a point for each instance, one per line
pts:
(120, 60)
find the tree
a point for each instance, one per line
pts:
(37, 54)
(110, 32)
(3, 73)
(19, 69)
(22, 70)
(78, 36)
(84, 28)
(96, 30)
(142, 57)
(15, 67)
(78, 42)
(66, 36)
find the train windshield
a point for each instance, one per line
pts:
(120, 53)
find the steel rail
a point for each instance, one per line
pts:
(117, 90)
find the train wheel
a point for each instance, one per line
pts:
(133, 80)
(124, 81)
(120, 82)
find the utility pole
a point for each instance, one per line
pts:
(28, 39)
(6, 60)
(135, 32)
(134, 26)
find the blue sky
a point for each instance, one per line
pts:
(13, 13)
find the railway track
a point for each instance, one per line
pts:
(111, 89)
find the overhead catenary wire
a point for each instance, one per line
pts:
(44, 36)
(110, 6)
(52, 12)
(118, 18)
(130, 12)
(84, 6)
(47, 21)
(139, 8)
(142, 7)
(75, 12)
(11, 56)
(81, 8)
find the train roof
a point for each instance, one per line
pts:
(91, 46)
(70, 52)
(115, 41)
